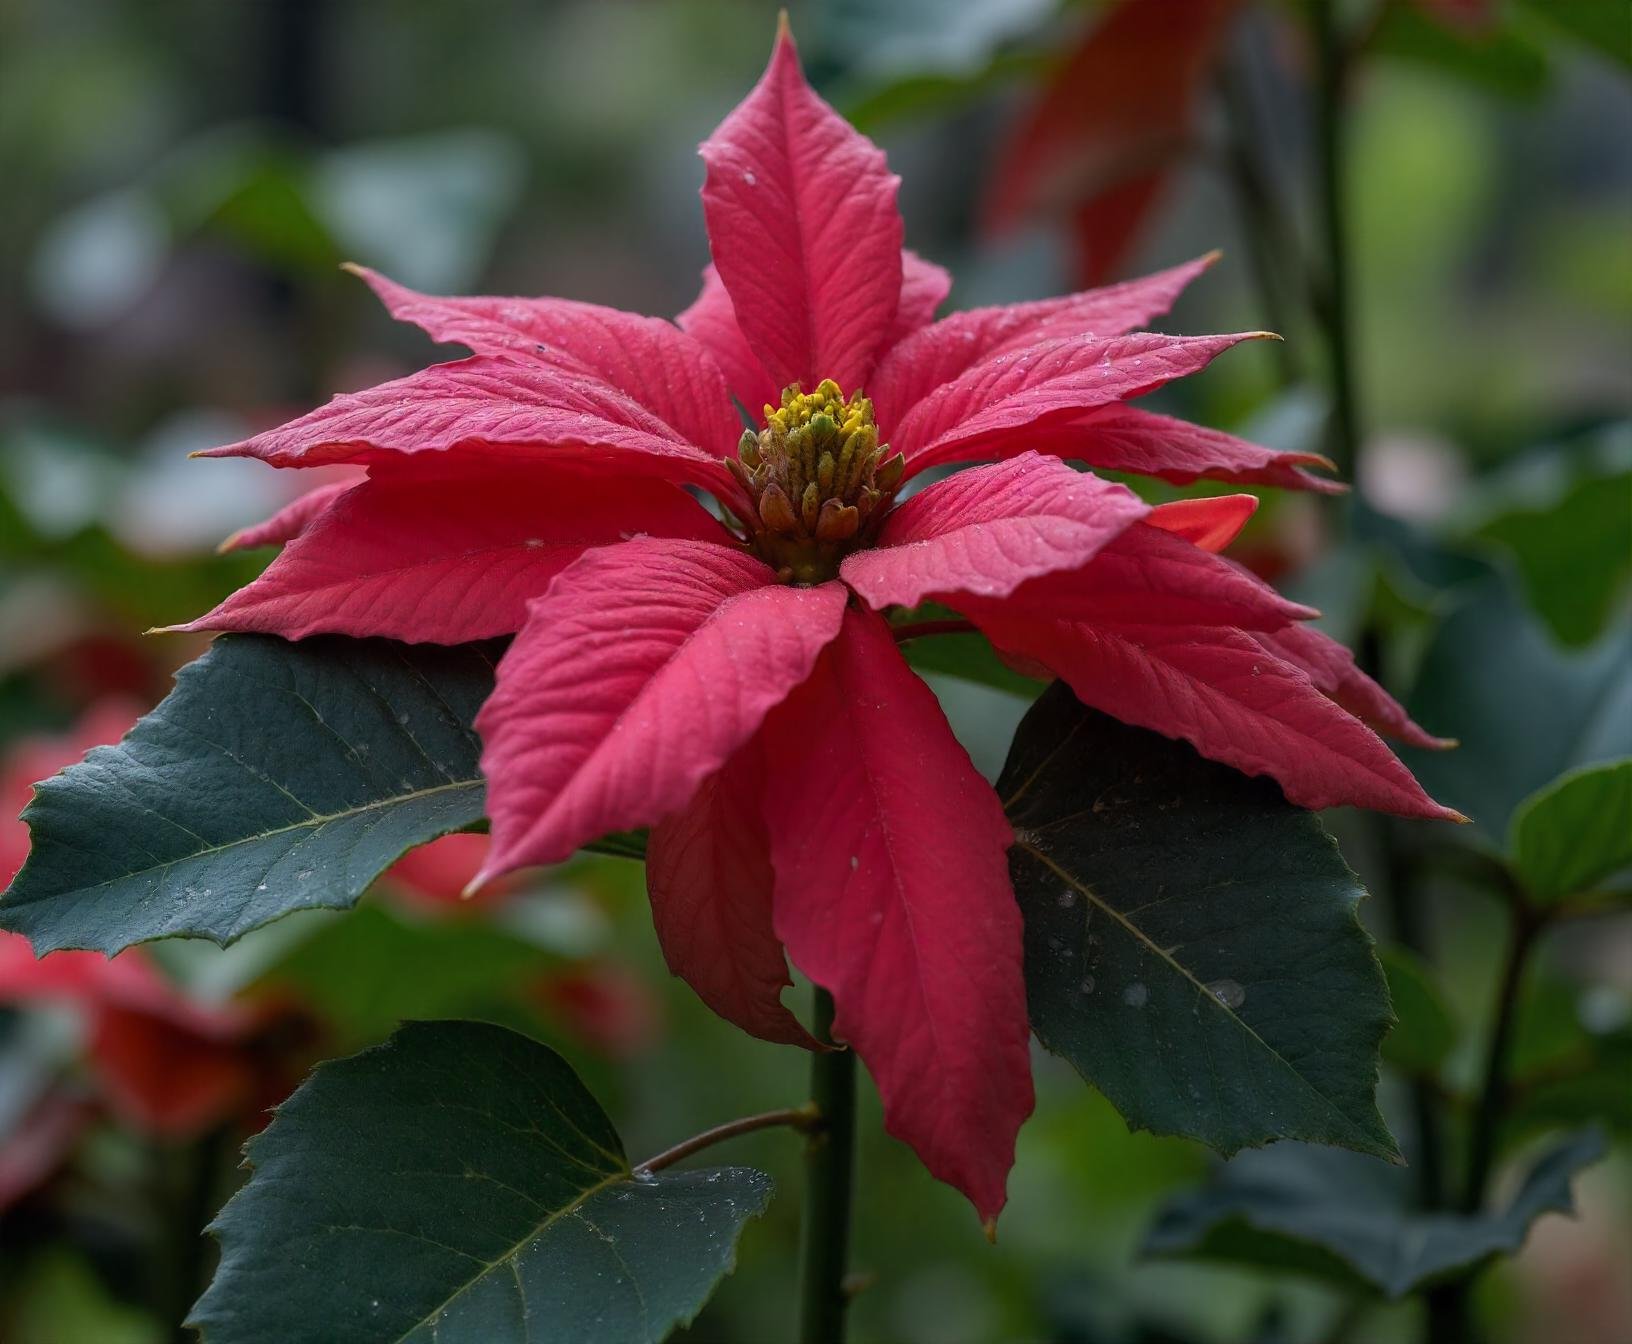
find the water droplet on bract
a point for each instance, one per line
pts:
(1135, 994)
(533, 543)
(750, 179)
(1087, 985)
(1228, 992)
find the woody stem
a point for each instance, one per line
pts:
(799, 1117)
(829, 1173)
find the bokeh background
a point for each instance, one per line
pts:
(182, 178)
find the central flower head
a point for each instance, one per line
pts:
(819, 480)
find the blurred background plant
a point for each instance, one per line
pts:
(1430, 198)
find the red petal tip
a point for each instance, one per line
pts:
(989, 1227)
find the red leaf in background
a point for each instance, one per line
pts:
(1469, 16)
(606, 1006)
(436, 875)
(1098, 144)
(31, 759)
(165, 1064)
(39, 1141)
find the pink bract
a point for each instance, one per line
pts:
(735, 684)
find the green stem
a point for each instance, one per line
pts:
(1449, 1305)
(1493, 1094)
(1271, 244)
(829, 1171)
(1332, 78)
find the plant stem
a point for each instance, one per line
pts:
(1332, 78)
(1493, 1094)
(829, 1171)
(1270, 242)
(796, 1117)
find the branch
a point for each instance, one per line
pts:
(803, 1118)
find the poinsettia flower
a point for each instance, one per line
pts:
(733, 680)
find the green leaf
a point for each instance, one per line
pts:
(458, 1184)
(1424, 1033)
(1502, 60)
(1603, 24)
(970, 658)
(1574, 833)
(1349, 1218)
(275, 777)
(1562, 513)
(376, 966)
(1191, 940)
(1524, 709)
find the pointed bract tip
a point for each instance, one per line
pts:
(475, 885)
(354, 268)
(1451, 814)
(1211, 258)
(784, 29)
(1265, 336)
(1447, 743)
(989, 1227)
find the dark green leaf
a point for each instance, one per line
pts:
(1349, 1218)
(1576, 832)
(1563, 514)
(1424, 1033)
(275, 777)
(459, 1185)
(1502, 59)
(1524, 709)
(1591, 1089)
(1191, 940)
(1604, 24)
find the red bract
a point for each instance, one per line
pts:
(734, 684)
(1102, 140)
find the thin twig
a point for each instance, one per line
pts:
(803, 1118)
